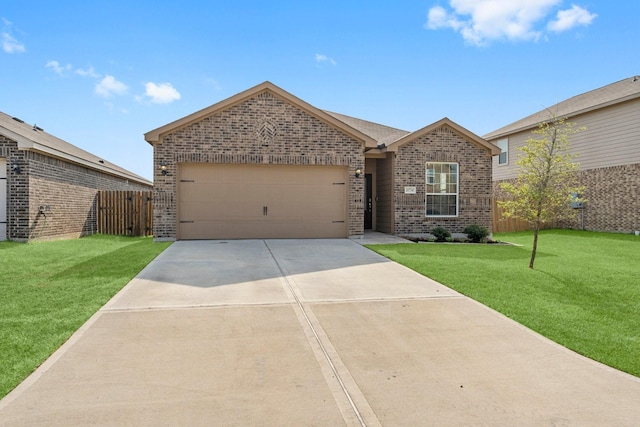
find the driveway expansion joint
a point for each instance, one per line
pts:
(323, 347)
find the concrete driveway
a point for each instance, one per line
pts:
(309, 333)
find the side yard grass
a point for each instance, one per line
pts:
(49, 289)
(583, 294)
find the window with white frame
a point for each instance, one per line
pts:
(441, 189)
(503, 145)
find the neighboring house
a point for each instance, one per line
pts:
(48, 187)
(608, 152)
(265, 164)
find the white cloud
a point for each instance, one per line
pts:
(62, 69)
(109, 86)
(320, 58)
(9, 42)
(570, 18)
(214, 83)
(57, 68)
(89, 72)
(439, 18)
(482, 21)
(162, 93)
(11, 45)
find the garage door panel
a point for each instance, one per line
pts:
(217, 192)
(261, 201)
(314, 194)
(224, 229)
(198, 211)
(240, 229)
(303, 229)
(329, 212)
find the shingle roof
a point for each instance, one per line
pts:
(614, 93)
(382, 134)
(30, 137)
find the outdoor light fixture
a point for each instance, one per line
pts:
(163, 168)
(358, 172)
(15, 167)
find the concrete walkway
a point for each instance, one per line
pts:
(309, 332)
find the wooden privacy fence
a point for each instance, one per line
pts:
(125, 213)
(504, 225)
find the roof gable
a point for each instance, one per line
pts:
(31, 137)
(603, 97)
(446, 122)
(155, 135)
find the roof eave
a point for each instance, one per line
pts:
(492, 136)
(475, 139)
(27, 144)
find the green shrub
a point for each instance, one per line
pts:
(441, 234)
(476, 233)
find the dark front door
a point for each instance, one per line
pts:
(368, 207)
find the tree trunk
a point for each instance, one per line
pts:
(535, 245)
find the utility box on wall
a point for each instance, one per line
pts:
(576, 203)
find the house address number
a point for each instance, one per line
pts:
(409, 190)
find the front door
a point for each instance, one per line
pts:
(368, 207)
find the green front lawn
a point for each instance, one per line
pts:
(584, 292)
(49, 289)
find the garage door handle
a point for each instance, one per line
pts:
(265, 211)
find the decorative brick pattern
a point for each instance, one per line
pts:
(475, 189)
(263, 129)
(52, 198)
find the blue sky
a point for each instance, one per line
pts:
(100, 74)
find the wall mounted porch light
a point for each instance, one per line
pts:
(163, 168)
(358, 172)
(15, 167)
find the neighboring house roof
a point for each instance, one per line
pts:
(382, 134)
(612, 94)
(31, 137)
(446, 122)
(154, 136)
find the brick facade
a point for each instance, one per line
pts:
(613, 199)
(53, 198)
(474, 186)
(263, 129)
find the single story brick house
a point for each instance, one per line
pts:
(608, 152)
(48, 187)
(266, 164)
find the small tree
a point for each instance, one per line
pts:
(541, 192)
